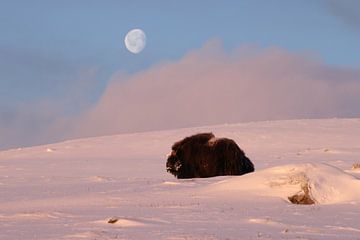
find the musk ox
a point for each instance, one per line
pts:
(203, 155)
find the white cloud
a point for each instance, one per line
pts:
(210, 86)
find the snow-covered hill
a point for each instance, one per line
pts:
(70, 190)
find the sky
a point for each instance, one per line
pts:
(65, 72)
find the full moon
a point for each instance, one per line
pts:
(135, 40)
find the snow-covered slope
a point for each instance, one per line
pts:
(326, 184)
(70, 190)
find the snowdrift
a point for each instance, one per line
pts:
(326, 184)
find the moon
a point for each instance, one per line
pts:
(135, 41)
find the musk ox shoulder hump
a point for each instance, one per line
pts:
(200, 138)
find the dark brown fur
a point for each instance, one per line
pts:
(203, 155)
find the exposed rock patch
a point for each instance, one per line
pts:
(302, 197)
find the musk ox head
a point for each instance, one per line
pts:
(203, 155)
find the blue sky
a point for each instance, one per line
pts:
(46, 43)
(48, 47)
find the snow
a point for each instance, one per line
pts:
(71, 190)
(328, 185)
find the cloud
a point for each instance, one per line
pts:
(49, 119)
(24, 124)
(211, 86)
(346, 10)
(206, 86)
(38, 92)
